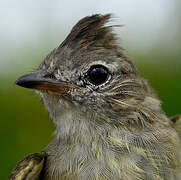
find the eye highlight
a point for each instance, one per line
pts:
(98, 74)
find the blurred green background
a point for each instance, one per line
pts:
(30, 29)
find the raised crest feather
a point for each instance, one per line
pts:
(91, 32)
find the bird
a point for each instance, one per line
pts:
(109, 123)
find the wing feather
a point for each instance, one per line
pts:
(29, 168)
(176, 120)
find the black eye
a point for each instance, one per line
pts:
(98, 74)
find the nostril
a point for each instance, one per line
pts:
(49, 75)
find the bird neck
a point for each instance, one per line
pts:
(74, 126)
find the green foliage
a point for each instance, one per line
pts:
(24, 127)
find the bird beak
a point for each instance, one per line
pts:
(42, 81)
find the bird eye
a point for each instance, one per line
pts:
(98, 74)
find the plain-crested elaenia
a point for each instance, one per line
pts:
(109, 122)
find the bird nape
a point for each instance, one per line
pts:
(109, 122)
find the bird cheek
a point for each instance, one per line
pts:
(80, 95)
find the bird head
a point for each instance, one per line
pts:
(89, 73)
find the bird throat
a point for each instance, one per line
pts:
(72, 122)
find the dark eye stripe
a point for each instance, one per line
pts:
(98, 74)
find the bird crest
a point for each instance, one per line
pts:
(91, 32)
